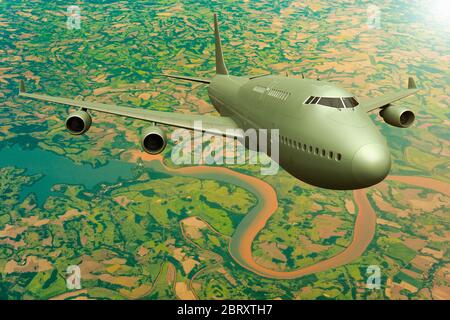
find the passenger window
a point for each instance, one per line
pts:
(317, 151)
(330, 155)
(310, 149)
(323, 153)
(339, 157)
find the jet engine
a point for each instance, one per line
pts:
(153, 140)
(78, 122)
(398, 116)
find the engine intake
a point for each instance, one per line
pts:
(398, 116)
(78, 122)
(153, 140)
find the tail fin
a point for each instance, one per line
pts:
(221, 68)
(22, 87)
(411, 83)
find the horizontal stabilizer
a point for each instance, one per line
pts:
(193, 79)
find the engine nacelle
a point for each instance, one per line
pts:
(153, 140)
(78, 122)
(398, 116)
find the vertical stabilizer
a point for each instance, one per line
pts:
(411, 83)
(22, 87)
(221, 68)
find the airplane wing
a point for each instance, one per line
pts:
(224, 126)
(385, 100)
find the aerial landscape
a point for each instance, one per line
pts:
(139, 226)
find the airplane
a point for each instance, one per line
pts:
(327, 138)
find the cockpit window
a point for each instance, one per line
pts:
(350, 102)
(309, 100)
(331, 102)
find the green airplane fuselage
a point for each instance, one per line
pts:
(326, 138)
(335, 148)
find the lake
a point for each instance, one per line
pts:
(58, 169)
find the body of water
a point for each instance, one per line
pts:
(58, 169)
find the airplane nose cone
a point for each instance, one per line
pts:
(371, 164)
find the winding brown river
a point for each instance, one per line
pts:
(240, 246)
